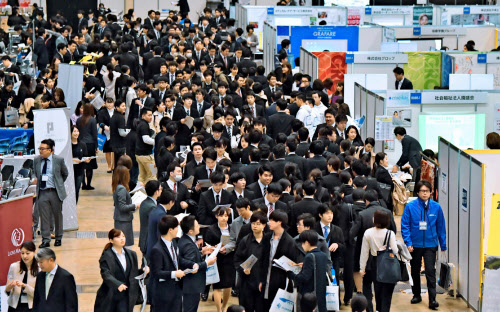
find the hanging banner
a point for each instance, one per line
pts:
(377, 58)
(448, 97)
(482, 9)
(439, 30)
(354, 16)
(422, 15)
(392, 10)
(54, 124)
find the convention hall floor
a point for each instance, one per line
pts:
(80, 251)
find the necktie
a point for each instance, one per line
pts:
(174, 255)
(271, 208)
(265, 190)
(175, 187)
(241, 196)
(43, 184)
(48, 282)
(327, 231)
(172, 78)
(225, 61)
(238, 59)
(272, 89)
(200, 107)
(210, 172)
(161, 96)
(198, 55)
(217, 201)
(187, 113)
(253, 110)
(229, 132)
(170, 113)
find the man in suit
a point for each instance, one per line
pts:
(303, 146)
(193, 284)
(243, 207)
(253, 109)
(130, 59)
(165, 203)
(81, 21)
(163, 73)
(291, 147)
(165, 263)
(271, 199)
(363, 223)
(41, 50)
(230, 129)
(401, 83)
(411, 150)
(153, 190)
(272, 87)
(182, 195)
(154, 64)
(92, 82)
(279, 162)
(265, 178)
(238, 180)
(203, 171)
(103, 28)
(250, 170)
(55, 288)
(212, 198)
(276, 244)
(200, 103)
(187, 110)
(10, 68)
(318, 161)
(332, 180)
(160, 94)
(143, 101)
(50, 173)
(340, 128)
(246, 62)
(197, 150)
(281, 122)
(307, 205)
(329, 121)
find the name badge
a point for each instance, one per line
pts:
(45, 177)
(422, 225)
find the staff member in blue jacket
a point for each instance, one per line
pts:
(423, 229)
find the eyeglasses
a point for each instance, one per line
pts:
(424, 191)
(43, 149)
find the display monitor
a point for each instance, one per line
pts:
(463, 130)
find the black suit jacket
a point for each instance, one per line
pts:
(132, 61)
(335, 236)
(183, 133)
(246, 63)
(278, 167)
(155, 94)
(135, 110)
(306, 205)
(234, 131)
(41, 52)
(406, 85)
(250, 172)
(299, 161)
(190, 168)
(189, 252)
(280, 122)
(317, 161)
(269, 93)
(259, 110)
(62, 294)
(153, 67)
(162, 265)
(207, 204)
(411, 152)
(302, 149)
(331, 180)
(255, 188)
(181, 195)
(277, 206)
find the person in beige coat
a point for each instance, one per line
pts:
(21, 279)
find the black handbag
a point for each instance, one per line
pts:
(404, 272)
(444, 280)
(388, 268)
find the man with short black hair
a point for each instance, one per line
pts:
(153, 190)
(212, 198)
(166, 201)
(411, 150)
(144, 146)
(271, 199)
(265, 178)
(281, 122)
(401, 83)
(307, 205)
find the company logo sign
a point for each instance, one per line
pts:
(17, 237)
(416, 98)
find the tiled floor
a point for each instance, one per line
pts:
(95, 213)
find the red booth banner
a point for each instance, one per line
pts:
(331, 65)
(15, 228)
(24, 3)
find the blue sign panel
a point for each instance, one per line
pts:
(368, 11)
(481, 58)
(270, 11)
(349, 58)
(466, 10)
(417, 31)
(415, 98)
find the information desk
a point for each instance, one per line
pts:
(15, 229)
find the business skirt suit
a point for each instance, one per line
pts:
(14, 301)
(124, 213)
(225, 264)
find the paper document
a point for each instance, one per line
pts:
(205, 183)
(90, 157)
(188, 182)
(221, 206)
(138, 198)
(181, 216)
(142, 285)
(224, 240)
(229, 188)
(153, 169)
(188, 121)
(286, 264)
(216, 251)
(138, 187)
(249, 263)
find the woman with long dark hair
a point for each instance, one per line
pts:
(383, 177)
(119, 267)
(103, 119)
(124, 208)
(322, 194)
(21, 279)
(339, 91)
(87, 125)
(354, 136)
(79, 150)
(287, 79)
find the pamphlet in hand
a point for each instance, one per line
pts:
(138, 187)
(181, 216)
(249, 263)
(205, 183)
(188, 271)
(188, 121)
(188, 182)
(221, 206)
(138, 198)
(216, 251)
(224, 239)
(286, 264)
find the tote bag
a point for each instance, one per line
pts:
(212, 274)
(284, 300)
(332, 296)
(388, 269)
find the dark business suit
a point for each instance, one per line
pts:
(146, 207)
(406, 85)
(302, 149)
(183, 133)
(132, 61)
(280, 122)
(182, 194)
(251, 172)
(286, 247)
(255, 188)
(153, 233)
(207, 204)
(166, 292)
(153, 67)
(335, 236)
(278, 167)
(317, 162)
(42, 53)
(190, 168)
(306, 205)
(299, 161)
(277, 206)
(62, 295)
(135, 110)
(331, 180)
(155, 94)
(411, 152)
(192, 284)
(113, 276)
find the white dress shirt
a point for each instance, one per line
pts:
(121, 257)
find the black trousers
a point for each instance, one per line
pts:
(118, 153)
(190, 302)
(429, 255)
(348, 272)
(250, 299)
(383, 291)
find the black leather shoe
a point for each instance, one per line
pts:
(44, 245)
(90, 188)
(58, 243)
(234, 293)
(204, 297)
(433, 305)
(416, 299)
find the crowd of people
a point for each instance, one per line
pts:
(267, 165)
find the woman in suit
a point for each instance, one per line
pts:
(87, 125)
(382, 175)
(79, 150)
(353, 136)
(214, 235)
(124, 209)
(103, 119)
(119, 267)
(21, 279)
